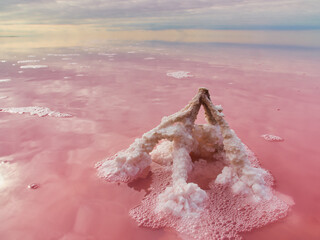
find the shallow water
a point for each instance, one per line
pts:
(117, 91)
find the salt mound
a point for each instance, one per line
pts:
(40, 111)
(205, 182)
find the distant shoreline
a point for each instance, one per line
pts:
(9, 36)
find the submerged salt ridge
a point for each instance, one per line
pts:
(240, 173)
(40, 111)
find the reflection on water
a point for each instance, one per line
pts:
(2, 183)
(115, 91)
(73, 35)
(8, 177)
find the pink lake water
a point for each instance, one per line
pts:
(117, 91)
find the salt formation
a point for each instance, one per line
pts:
(40, 111)
(5, 80)
(28, 61)
(179, 74)
(272, 138)
(33, 66)
(63, 54)
(107, 54)
(183, 152)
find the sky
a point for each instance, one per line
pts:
(166, 14)
(31, 17)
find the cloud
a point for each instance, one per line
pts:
(95, 9)
(164, 14)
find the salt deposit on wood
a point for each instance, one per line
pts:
(181, 149)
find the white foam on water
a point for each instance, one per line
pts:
(40, 111)
(179, 74)
(3, 61)
(5, 80)
(149, 58)
(28, 61)
(272, 138)
(224, 215)
(206, 183)
(33, 66)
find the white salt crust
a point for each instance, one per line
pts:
(225, 214)
(33, 66)
(107, 54)
(184, 150)
(179, 74)
(272, 138)
(28, 61)
(63, 54)
(5, 80)
(40, 111)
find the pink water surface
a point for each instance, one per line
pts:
(114, 99)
